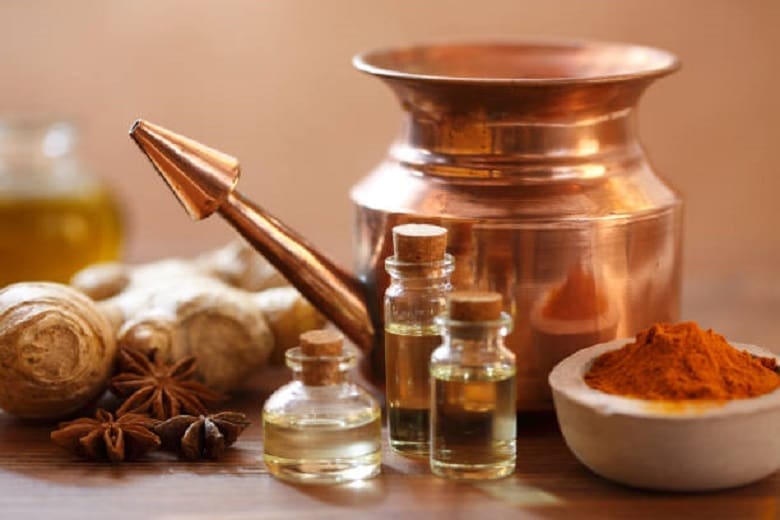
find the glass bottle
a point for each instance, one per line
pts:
(54, 218)
(419, 282)
(321, 428)
(473, 423)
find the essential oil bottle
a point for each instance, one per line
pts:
(321, 428)
(419, 272)
(473, 423)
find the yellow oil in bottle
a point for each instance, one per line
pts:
(50, 237)
(323, 450)
(474, 423)
(408, 351)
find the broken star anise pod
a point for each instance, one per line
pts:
(201, 437)
(160, 389)
(105, 438)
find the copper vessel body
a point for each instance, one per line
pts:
(528, 153)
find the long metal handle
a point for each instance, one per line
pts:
(336, 293)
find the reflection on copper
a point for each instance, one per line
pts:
(577, 298)
(573, 313)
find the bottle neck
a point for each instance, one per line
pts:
(420, 276)
(485, 335)
(317, 381)
(39, 155)
(32, 145)
(320, 371)
(487, 342)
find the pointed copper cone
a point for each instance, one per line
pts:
(199, 176)
(204, 180)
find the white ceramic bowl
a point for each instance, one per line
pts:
(678, 447)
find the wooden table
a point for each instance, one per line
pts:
(37, 480)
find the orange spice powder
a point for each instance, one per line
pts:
(577, 299)
(680, 362)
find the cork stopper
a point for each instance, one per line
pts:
(475, 306)
(321, 344)
(418, 243)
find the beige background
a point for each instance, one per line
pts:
(271, 82)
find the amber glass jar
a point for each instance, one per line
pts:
(54, 217)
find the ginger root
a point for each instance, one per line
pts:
(230, 308)
(56, 350)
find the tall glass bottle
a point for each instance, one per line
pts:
(54, 217)
(419, 272)
(321, 428)
(473, 423)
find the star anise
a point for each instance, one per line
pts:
(160, 389)
(202, 437)
(125, 438)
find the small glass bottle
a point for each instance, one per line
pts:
(54, 217)
(321, 428)
(419, 282)
(473, 423)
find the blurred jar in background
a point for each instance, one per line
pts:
(54, 217)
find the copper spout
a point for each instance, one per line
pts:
(204, 181)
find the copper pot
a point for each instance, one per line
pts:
(528, 153)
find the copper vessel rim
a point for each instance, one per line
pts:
(660, 62)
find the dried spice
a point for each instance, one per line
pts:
(227, 315)
(160, 389)
(679, 362)
(105, 438)
(56, 350)
(201, 437)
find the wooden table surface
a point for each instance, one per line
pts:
(37, 480)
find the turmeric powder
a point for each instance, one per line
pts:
(682, 361)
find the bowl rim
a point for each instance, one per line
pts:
(567, 379)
